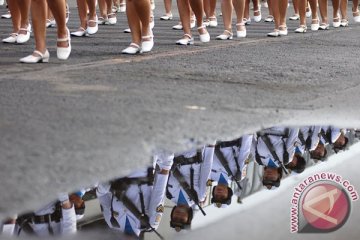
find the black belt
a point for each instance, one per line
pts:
(181, 160)
(54, 217)
(233, 143)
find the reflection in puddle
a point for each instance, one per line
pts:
(185, 184)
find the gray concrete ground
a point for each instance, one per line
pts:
(100, 114)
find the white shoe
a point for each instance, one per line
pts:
(6, 15)
(81, 32)
(112, 20)
(205, 37)
(103, 21)
(67, 16)
(356, 18)
(147, 46)
(11, 39)
(269, 19)
(315, 26)
(226, 35)
(92, 30)
(127, 30)
(63, 53)
(122, 7)
(192, 23)
(301, 29)
(152, 5)
(166, 17)
(336, 24)
(152, 22)
(344, 23)
(247, 21)
(294, 17)
(132, 49)
(283, 32)
(50, 23)
(39, 58)
(275, 33)
(178, 26)
(213, 21)
(23, 38)
(324, 26)
(242, 33)
(308, 13)
(186, 40)
(257, 18)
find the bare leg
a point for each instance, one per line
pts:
(302, 11)
(24, 10)
(167, 4)
(323, 11)
(92, 11)
(276, 12)
(38, 15)
(226, 9)
(103, 8)
(197, 7)
(296, 5)
(184, 12)
(247, 9)
(14, 9)
(336, 6)
(143, 10)
(282, 11)
(239, 6)
(82, 10)
(343, 9)
(58, 8)
(134, 21)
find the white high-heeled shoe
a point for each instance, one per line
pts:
(274, 33)
(213, 21)
(147, 45)
(283, 31)
(50, 23)
(257, 18)
(336, 23)
(132, 49)
(166, 17)
(301, 29)
(205, 37)
(241, 33)
(38, 58)
(226, 35)
(357, 17)
(23, 38)
(11, 39)
(315, 26)
(112, 20)
(186, 40)
(81, 32)
(63, 53)
(122, 7)
(92, 30)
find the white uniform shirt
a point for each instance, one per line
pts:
(312, 132)
(291, 142)
(231, 155)
(154, 197)
(66, 226)
(201, 175)
(335, 133)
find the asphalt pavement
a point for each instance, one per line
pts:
(100, 114)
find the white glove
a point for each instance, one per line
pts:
(164, 160)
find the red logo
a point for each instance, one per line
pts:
(325, 207)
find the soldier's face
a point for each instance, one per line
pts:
(340, 142)
(319, 152)
(221, 192)
(271, 174)
(180, 214)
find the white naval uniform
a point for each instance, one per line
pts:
(231, 155)
(66, 226)
(312, 132)
(154, 197)
(201, 175)
(335, 133)
(278, 143)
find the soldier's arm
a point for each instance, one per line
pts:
(205, 170)
(104, 195)
(315, 137)
(156, 206)
(246, 148)
(68, 221)
(291, 142)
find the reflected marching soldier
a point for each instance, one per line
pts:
(187, 185)
(230, 161)
(135, 204)
(276, 149)
(56, 218)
